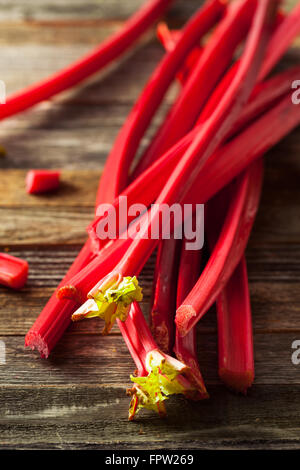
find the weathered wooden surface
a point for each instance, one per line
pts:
(76, 399)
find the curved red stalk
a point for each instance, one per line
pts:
(128, 139)
(186, 347)
(227, 252)
(235, 339)
(108, 51)
(164, 293)
(212, 63)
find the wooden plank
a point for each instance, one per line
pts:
(94, 359)
(95, 417)
(35, 226)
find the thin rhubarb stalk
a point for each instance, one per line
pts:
(13, 271)
(158, 375)
(164, 294)
(235, 339)
(108, 51)
(137, 122)
(212, 63)
(147, 186)
(227, 252)
(283, 37)
(185, 173)
(186, 347)
(236, 357)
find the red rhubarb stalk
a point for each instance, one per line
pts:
(42, 181)
(13, 271)
(227, 252)
(108, 51)
(185, 173)
(186, 347)
(128, 139)
(164, 294)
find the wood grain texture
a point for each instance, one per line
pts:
(71, 401)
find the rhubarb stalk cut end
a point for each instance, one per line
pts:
(164, 378)
(110, 300)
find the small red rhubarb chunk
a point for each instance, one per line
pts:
(42, 181)
(13, 271)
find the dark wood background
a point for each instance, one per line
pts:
(76, 399)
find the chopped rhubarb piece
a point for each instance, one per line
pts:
(13, 271)
(42, 181)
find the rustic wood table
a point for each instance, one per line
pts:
(76, 399)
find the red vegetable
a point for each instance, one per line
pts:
(227, 252)
(42, 181)
(186, 347)
(88, 65)
(185, 173)
(235, 341)
(164, 294)
(13, 271)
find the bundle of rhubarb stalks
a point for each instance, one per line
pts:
(230, 109)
